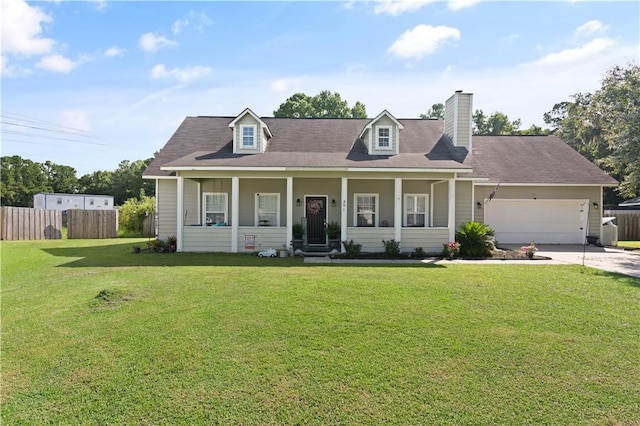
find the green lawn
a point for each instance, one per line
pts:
(629, 244)
(94, 334)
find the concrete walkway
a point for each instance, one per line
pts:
(604, 258)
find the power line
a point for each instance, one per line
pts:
(37, 120)
(48, 130)
(13, 132)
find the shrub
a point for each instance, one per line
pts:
(419, 253)
(352, 248)
(132, 213)
(391, 248)
(476, 239)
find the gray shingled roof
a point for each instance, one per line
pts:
(318, 143)
(533, 159)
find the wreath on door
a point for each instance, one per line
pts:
(313, 207)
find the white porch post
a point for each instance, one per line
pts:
(397, 210)
(343, 213)
(235, 212)
(289, 211)
(452, 209)
(179, 213)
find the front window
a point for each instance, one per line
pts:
(366, 213)
(415, 210)
(91, 201)
(248, 136)
(215, 208)
(106, 202)
(59, 201)
(383, 140)
(267, 209)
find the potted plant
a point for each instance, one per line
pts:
(529, 250)
(172, 242)
(297, 231)
(333, 232)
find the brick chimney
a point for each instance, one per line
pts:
(457, 118)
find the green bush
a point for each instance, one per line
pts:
(476, 239)
(352, 249)
(419, 253)
(391, 248)
(132, 213)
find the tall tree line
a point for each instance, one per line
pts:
(22, 178)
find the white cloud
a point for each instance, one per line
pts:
(568, 56)
(422, 40)
(591, 27)
(396, 7)
(56, 63)
(197, 20)
(462, 4)
(22, 27)
(10, 70)
(287, 85)
(151, 42)
(114, 51)
(179, 25)
(75, 119)
(183, 75)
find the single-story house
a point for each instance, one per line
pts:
(241, 183)
(61, 201)
(633, 202)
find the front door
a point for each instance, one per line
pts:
(316, 218)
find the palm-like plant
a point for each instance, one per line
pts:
(475, 238)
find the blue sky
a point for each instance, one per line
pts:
(91, 83)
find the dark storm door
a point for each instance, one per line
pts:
(316, 218)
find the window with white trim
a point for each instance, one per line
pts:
(215, 208)
(415, 210)
(59, 201)
(267, 209)
(366, 211)
(91, 202)
(106, 202)
(383, 137)
(248, 133)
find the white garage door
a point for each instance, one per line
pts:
(542, 221)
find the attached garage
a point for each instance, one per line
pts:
(543, 221)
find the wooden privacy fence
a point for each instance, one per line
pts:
(21, 223)
(83, 224)
(628, 222)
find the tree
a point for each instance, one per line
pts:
(61, 178)
(128, 183)
(436, 111)
(325, 104)
(495, 124)
(21, 179)
(604, 126)
(98, 183)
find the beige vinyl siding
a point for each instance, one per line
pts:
(249, 121)
(383, 121)
(430, 239)
(370, 238)
(207, 238)
(191, 195)
(464, 192)
(449, 114)
(167, 199)
(385, 190)
(266, 237)
(248, 190)
(591, 193)
(331, 188)
(464, 120)
(441, 204)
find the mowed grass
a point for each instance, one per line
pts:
(635, 245)
(94, 334)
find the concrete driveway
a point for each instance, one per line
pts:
(605, 258)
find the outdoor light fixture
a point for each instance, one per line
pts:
(298, 202)
(479, 204)
(595, 205)
(333, 203)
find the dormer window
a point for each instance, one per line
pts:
(248, 136)
(383, 137)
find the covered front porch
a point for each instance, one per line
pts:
(218, 213)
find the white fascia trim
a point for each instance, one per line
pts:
(222, 168)
(411, 170)
(303, 169)
(159, 177)
(543, 184)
